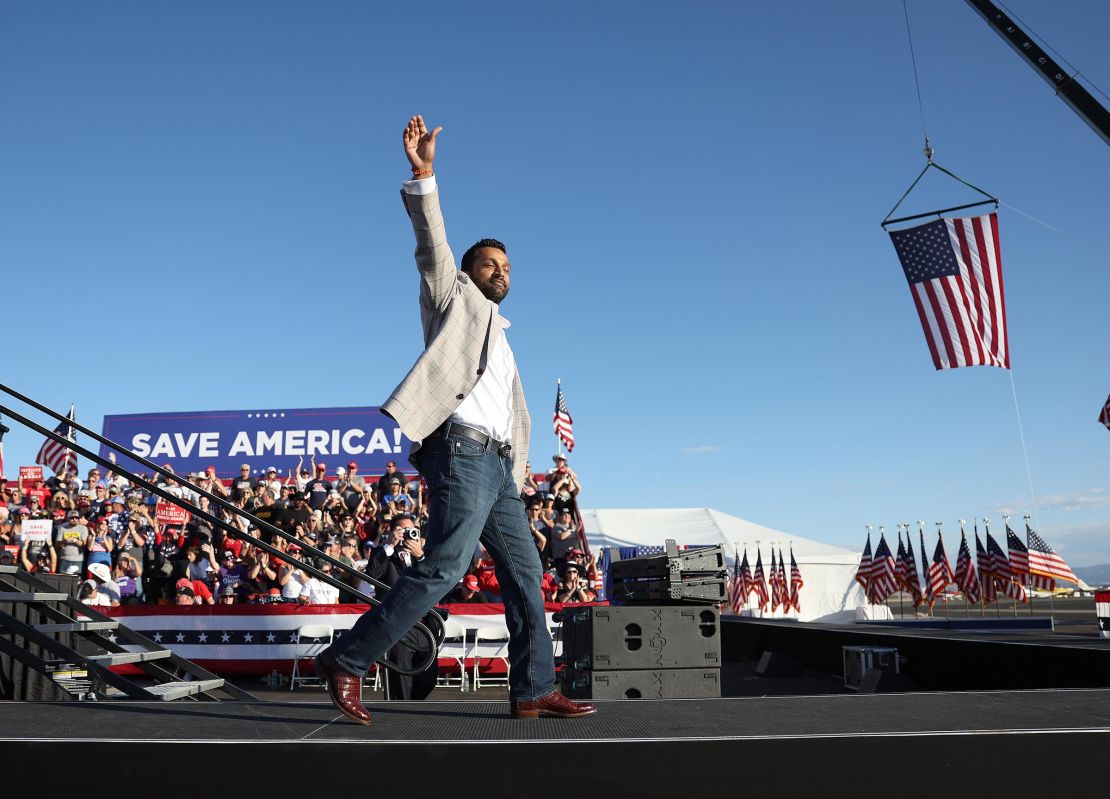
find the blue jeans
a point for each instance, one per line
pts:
(472, 496)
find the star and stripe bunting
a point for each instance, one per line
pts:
(954, 269)
(563, 424)
(253, 639)
(1104, 414)
(57, 456)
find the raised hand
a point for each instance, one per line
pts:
(420, 146)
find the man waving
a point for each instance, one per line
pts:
(463, 405)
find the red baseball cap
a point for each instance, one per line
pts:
(321, 467)
(471, 582)
(352, 465)
(211, 469)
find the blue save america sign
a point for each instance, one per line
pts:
(193, 441)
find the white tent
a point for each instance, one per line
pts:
(830, 592)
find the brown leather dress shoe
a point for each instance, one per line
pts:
(554, 705)
(344, 689)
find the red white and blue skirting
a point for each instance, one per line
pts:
(231, 640)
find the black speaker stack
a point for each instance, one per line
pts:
(662, 638)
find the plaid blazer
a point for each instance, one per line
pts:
(459, 329)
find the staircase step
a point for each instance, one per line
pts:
(170, 691)
(76, 626)
(37, 596)
(119, 658)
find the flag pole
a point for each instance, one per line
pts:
(963, 540)
(944, 590)
(1028, 583)
(1006, 525)
(747, 593)
(867, 587)
(901, 588)
(982, 587)
(762, 577)
(558, 388)
(924, 562)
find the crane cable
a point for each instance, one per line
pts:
(929, 162)
(917, 83)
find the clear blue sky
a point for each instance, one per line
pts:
(199, 210)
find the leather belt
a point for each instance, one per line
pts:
(480, 438)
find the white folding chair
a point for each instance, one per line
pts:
(490, 643)
(454, 647)
(310, 641)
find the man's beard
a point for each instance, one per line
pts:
(494, 292)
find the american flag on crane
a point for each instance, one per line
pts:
(954, 268)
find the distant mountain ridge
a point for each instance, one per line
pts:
(1094, 575)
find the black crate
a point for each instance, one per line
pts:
(707, 591)
(642, 684)
(703, 561)
(633, 637)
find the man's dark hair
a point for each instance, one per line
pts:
(472, 253)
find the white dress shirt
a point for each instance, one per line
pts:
(489, 406)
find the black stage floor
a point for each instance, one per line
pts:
(1020, 739)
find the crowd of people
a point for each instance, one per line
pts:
(109, 535)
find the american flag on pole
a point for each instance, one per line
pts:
(1046, 563)
(909, 569)
(2, 431)
(1104, 416)
(985, 561)
(954, 268)
(776, 587)
(759, 584)
(883, 581)
(562, 421)
(1019, 564)
(940, 573)
(796, 582)
(784, 584)
(926, 595)
(863, 573)
(966, 578)
(1003, 574)
(900, 564)
(56, 455)
(984, 558)
(738, 585)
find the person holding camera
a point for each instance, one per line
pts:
(397, 554)
(573, 588)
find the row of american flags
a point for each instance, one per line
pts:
(773, 590)
(991, 575)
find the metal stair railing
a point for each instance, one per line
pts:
(155, 661)
(434, 639)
